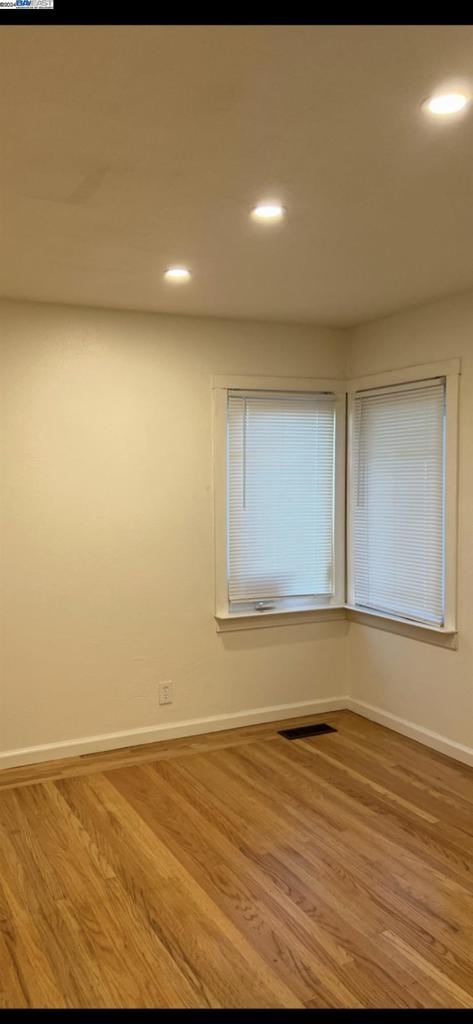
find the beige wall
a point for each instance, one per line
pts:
(429, 686)
(106, 525)
(106, 542)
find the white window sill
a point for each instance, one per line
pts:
(228, 623)
(439, 635)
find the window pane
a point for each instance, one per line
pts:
(398, 501)
(280, 495)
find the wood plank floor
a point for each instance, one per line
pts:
(240, 870)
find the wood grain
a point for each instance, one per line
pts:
(240, 870)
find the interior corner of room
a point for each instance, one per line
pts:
(108, 560)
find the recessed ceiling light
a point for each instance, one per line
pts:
(446, 103)
(177, 274)
(268, 212)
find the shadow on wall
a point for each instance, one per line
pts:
(282, 636)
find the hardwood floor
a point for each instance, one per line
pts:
(240, 870)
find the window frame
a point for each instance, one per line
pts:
(341, 606)
(450, 370)
(221, 386)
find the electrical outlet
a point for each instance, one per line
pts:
(165, 692)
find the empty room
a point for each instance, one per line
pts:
(236, 516)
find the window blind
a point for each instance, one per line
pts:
(281, 461)
(397, 500)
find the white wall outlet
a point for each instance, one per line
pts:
(165, 692)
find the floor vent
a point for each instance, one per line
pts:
(306, 730)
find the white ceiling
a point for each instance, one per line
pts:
(126, 148)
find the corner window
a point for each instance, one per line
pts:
(281, 518)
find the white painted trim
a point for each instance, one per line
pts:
(237, 621)
(262, 620)
(405, 375)
(452, 382)
(169, 731)
(404, 627)
(339, 525)
(220, 501)
(433, 740)
(218, 723)
(350, 586)
(228, 382)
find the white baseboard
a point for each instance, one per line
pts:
(217, 723)
(173, 730)
(458, 751)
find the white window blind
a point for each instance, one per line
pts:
(280, 526)
(397, 500)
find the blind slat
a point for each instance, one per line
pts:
(280, 495)
(398, 501)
